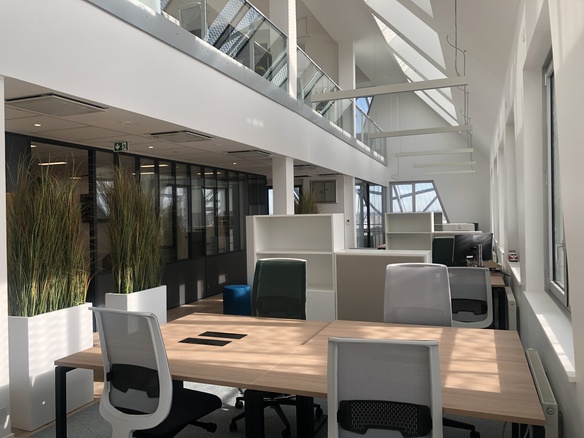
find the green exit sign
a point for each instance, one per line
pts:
(121, 146)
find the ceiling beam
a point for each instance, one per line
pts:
(421, 131)
(390, 89)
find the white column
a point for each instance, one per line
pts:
(283, 15)
(349, 210)
(283, 183)
(347, 79)
(5, 427)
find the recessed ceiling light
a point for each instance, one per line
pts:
(54, 105)
(33, 145)
(150, 147)
(37, 125)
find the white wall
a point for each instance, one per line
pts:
(555, 334)
(465, 196)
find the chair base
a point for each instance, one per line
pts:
(449, 422)
(275, 403)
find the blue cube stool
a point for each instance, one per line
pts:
(237, 299)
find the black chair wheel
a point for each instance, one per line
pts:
(318, 413)
(233, 426)
(286, 433)
(239, 404)
(475, 434)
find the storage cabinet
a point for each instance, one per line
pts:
(312, 237)
(409, 231)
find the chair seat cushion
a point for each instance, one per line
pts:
(187, 406)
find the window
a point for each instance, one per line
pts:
(418, 196)
(557, 272)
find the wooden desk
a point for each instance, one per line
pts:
(497, 280)
(237, 364)
(484, 372)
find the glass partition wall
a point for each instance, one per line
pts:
(203, 209)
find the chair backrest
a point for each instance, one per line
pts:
(137, 391)
(472, 297)
(389, 388)
(279, 288)
(417, 293)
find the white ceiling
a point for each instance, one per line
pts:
(485, 32)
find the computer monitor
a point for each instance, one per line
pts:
(466, 245)
(443, 250)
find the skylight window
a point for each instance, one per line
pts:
(416, 48)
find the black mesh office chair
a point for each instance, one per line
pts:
(383, 387)
(419, 293)
(139, 398)
(278, 291)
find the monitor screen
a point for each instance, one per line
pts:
(466, 245)
(443, 250)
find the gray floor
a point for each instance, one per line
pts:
(88, 423)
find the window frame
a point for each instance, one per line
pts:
(414, 209)
(553, 287)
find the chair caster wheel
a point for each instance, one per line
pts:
(286, 433)
(475, 434)
(233, 426)
(239, 404)
(318, 413)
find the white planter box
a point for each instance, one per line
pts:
(34, 345)
(149, 300)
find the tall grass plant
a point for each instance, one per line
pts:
(135, 234)
(47, 263)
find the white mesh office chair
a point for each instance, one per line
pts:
(417, 293)
(384, 388)
(139, 396)
(472, 297)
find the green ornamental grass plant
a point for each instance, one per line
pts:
(135, 234)
(306, 204)
(47, 263)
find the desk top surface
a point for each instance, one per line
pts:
(484, 372)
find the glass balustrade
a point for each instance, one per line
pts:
(238, 29)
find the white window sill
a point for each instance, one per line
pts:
(557, 327)
(555, 323)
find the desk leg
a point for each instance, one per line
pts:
(61, 400)
(254, 413)
(304, 416)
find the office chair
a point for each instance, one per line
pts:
(385, 387)
(419, 293)
(278, 291)
(472, 297)
(139, 397)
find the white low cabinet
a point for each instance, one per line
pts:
(312, 237)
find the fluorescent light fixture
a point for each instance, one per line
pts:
(437, 152)
(153, 165)
(447, 172)
(252, 153)
(421, 131)
(54, 105)
(181, 136)
(53, 163)
(450, 163)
